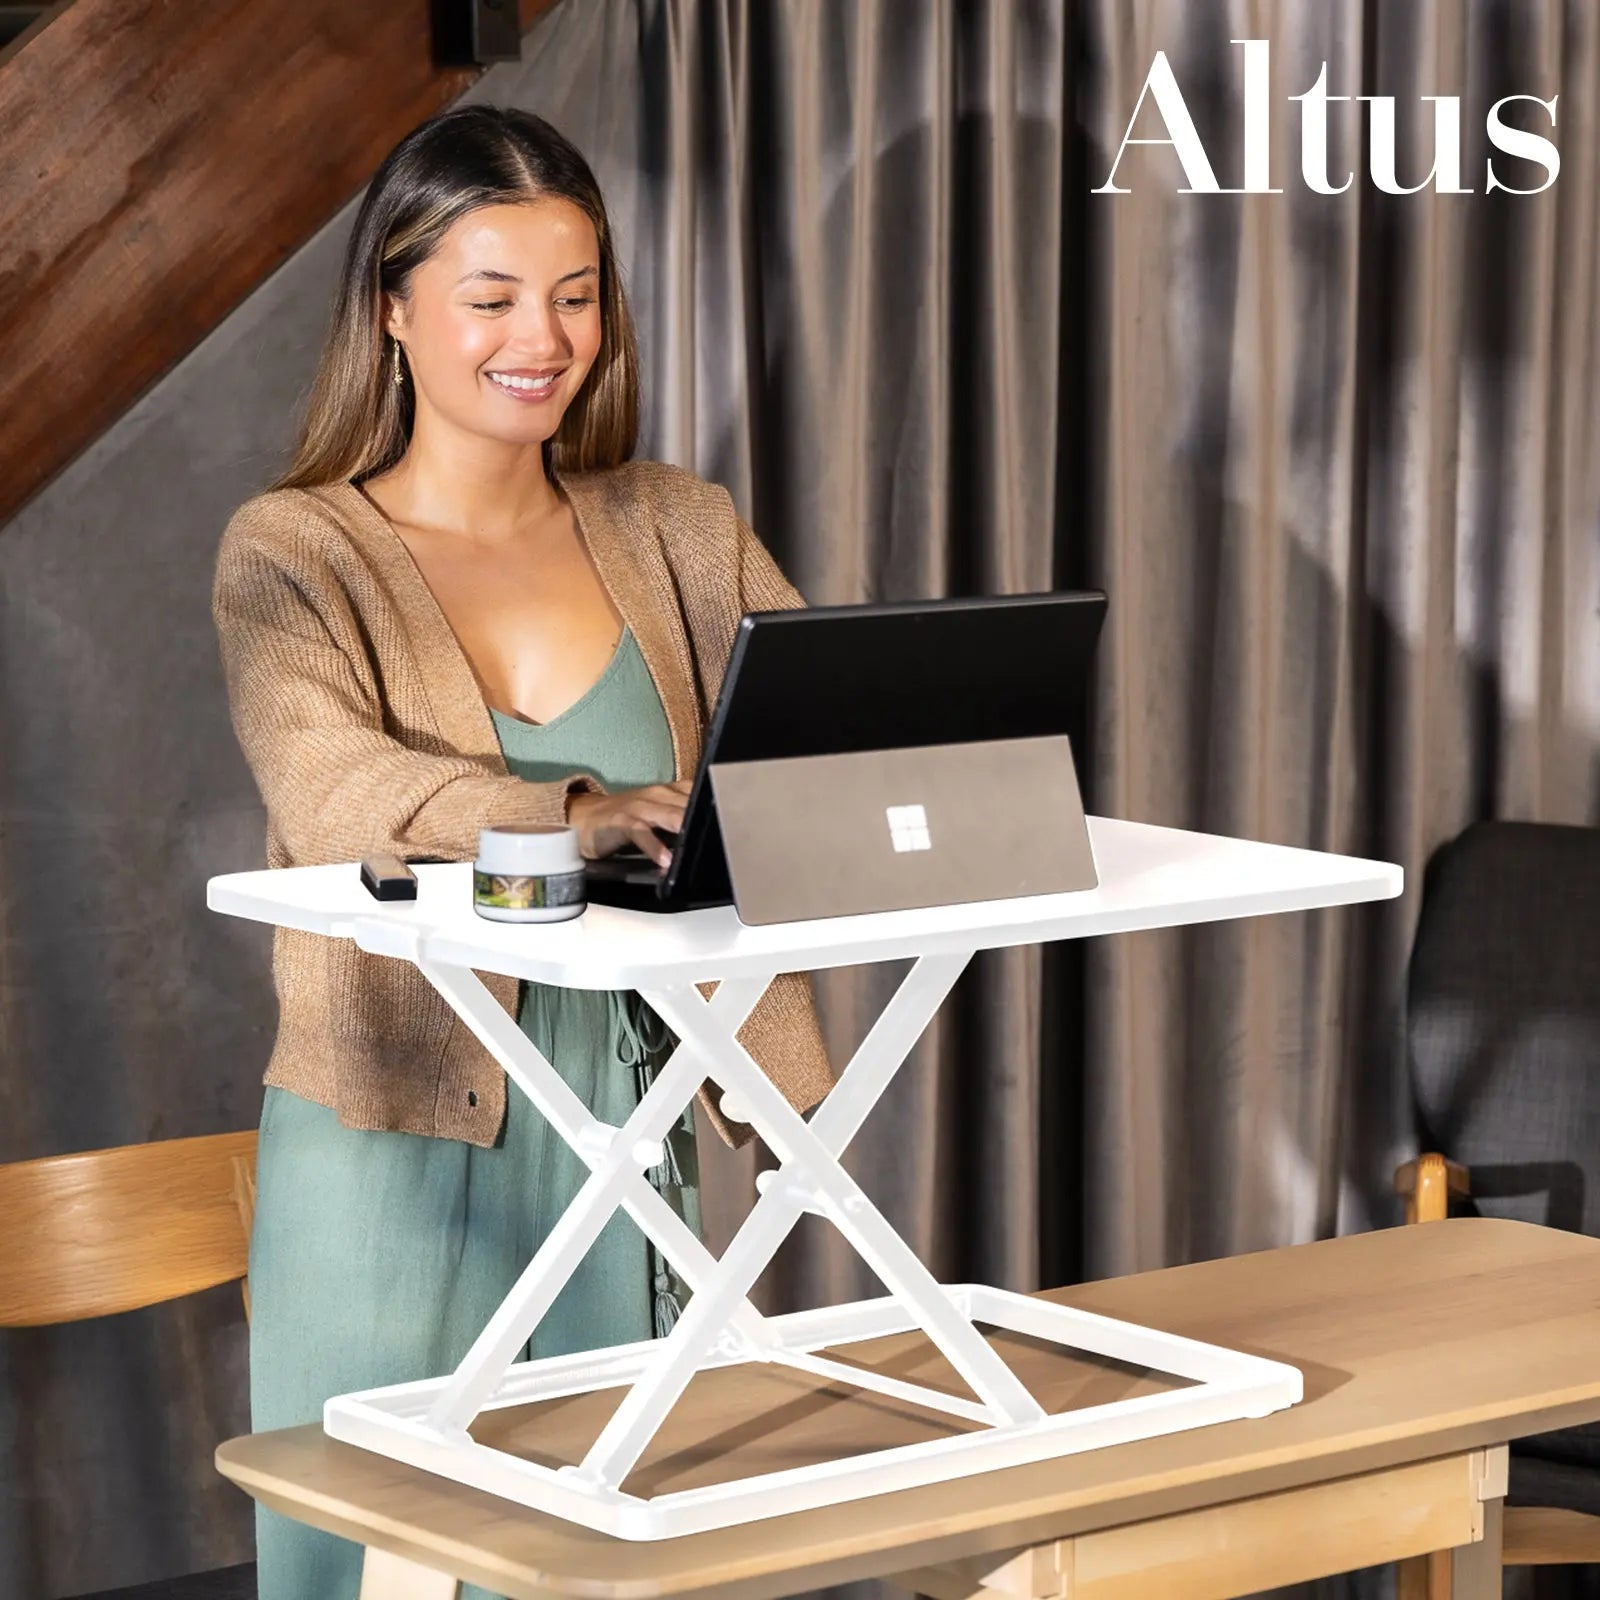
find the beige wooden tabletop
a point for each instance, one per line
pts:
(1414, 1342)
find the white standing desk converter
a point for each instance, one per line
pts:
(1150, 877)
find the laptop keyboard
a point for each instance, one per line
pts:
(625, 866)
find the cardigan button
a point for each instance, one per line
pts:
(472, 1097)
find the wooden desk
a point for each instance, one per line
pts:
(1423, 1349)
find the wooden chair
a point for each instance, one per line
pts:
(113, 1230)
(1503, 1043)
(1532, 1536)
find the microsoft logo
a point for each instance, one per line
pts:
(908, 828)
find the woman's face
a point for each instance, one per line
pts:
(502, 322)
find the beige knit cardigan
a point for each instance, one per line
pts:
(365, 729)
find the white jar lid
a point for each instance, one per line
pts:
(529, 848)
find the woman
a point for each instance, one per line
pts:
(463, 605)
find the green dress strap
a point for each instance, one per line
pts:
(616, 731)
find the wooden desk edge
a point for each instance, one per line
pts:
(1032, 1516)
(866, 1558)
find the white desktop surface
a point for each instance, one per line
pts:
(1150, 877)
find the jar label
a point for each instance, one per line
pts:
(535, 891)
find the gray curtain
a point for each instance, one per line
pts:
(1348, 518)
(1331, 457)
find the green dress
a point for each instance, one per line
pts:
(378, 1257)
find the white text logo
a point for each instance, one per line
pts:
(1161, 86)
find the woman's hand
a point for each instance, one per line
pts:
(607, 822)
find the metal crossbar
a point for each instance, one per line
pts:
(810, 1157)
(616, 1179)
(720, 1290)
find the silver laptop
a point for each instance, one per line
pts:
(897, 830)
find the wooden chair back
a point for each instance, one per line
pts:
(112, 1230)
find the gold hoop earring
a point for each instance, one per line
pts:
(399, 377)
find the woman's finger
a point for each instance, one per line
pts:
(644, 836)
(657, 813)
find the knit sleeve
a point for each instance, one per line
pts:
(761, 583)
(309, 720)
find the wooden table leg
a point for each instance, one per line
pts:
(1469, 1571)
(390, 1577)
(1475, 1568)
(1424, 1577)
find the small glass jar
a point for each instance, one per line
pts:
(528, 872)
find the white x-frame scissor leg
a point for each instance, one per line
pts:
(810, 1178)
(427, 1423)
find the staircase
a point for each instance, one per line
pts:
(13, 19)
(86, 189)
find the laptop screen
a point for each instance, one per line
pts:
(827, 680)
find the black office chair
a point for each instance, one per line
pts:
(1503, 1037)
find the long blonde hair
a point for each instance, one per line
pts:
(357, 419)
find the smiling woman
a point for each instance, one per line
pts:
(463, 605)
(500, 330)
(480, 217)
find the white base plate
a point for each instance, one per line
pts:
(1224, 1386)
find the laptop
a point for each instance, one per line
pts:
(832, 680)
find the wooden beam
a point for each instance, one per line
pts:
(391, 1577)
(1537, 1536)
(161, 160)
(19, 23)
(1258, 1543)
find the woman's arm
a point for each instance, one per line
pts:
(306, 710)
(761, 583)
